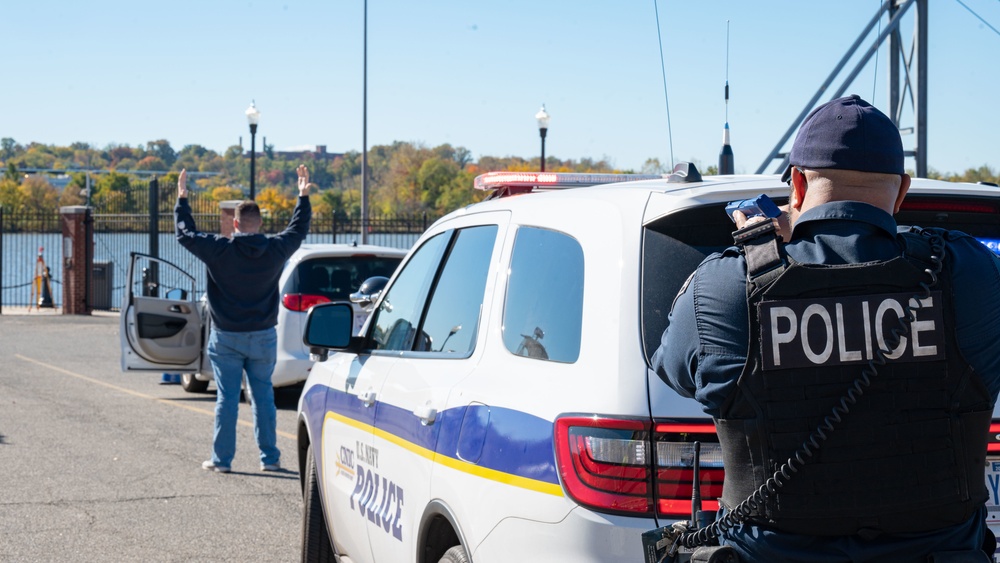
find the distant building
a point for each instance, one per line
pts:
(318, 153)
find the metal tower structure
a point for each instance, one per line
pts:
(912, 61)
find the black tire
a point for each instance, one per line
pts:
(191, 384)
(316, 545)
(455, 554)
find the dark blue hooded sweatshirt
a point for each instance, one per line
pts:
(243, 271)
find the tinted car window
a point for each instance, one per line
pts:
(675, 244)
(543, 314)
(672, 247)
(336, 277)
(398, 315)
(452, 318)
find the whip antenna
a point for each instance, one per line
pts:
(727, 164)
(663, 71)
(727, 71)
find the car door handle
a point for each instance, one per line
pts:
(368, 397)
(426, 413)
(179, 309)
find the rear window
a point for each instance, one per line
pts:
(674, 245)
(336, 277)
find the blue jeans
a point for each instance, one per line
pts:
(231, 354)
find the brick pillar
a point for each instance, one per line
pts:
(78, 240)
(227, 214)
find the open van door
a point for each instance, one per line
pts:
(161, 321)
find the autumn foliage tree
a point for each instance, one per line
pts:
(403, 177)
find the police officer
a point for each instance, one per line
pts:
(855, 365)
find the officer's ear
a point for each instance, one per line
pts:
(904, 186)
(798, 185)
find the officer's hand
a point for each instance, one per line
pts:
(182, 190)
(782, 223)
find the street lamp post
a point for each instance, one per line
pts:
(543, 127)
(253, 116)
(364, 132)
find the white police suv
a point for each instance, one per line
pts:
(499, 404)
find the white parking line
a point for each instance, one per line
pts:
(169, 402)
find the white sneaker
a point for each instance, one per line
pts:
(210, 466)
(270, 467)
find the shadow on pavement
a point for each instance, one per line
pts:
(285, 398)
(284, 474)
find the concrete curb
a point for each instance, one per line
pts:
(48, 312)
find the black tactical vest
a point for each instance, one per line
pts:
(910, 454)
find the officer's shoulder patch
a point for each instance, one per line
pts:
(686, 283)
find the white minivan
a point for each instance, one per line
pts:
(164, 326)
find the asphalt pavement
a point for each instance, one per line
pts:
(100, 465)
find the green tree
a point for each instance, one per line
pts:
(162, 150)
(112, 191)
(432, 178)
(982, 174)
(36, 156)
(71, 196)
(151, 163)
(193, 157)
(226, 193)
(10, 193)
(458, 193)
(8, 148)
(10, 173)
(38, 195)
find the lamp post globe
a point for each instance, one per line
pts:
(543, 127)
(253, 117)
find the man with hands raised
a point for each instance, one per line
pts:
(243, 272)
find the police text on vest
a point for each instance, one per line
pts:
(797, 333)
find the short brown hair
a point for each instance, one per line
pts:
(248, 213)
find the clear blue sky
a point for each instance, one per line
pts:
(474, 73)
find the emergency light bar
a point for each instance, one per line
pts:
(528, 180)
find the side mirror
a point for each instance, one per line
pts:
(369, 291)
(329, 326)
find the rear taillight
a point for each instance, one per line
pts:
(605, 463)
(993, 441)
(611, 465)
(675, 467)
(301, 301)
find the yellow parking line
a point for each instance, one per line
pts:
(170, 402)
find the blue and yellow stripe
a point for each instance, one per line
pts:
(494, 443)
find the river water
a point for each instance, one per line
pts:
(20, 261)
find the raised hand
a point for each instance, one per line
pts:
(304, 184)
(182, 190)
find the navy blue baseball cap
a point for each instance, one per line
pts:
(847, 134)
